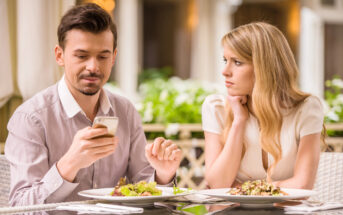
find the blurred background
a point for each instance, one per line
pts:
(169, 52)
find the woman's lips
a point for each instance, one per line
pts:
(228, 83)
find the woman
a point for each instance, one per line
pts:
(265, 127)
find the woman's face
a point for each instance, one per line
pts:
(239, 75)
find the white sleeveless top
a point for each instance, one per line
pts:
(308, 119)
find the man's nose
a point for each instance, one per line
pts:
(93, 65)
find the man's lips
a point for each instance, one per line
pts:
(91, 79)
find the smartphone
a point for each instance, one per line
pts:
(109, 122)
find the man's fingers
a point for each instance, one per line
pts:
(104, 149)
(176, 154)
(163, 147)
(93, 143)
(148, 150)
(168, 151)
(90, 133)
(103, 154)
(156, 145)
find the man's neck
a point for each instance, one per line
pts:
(89, 104)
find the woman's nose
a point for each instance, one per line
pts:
(226, 71)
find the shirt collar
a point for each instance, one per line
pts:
(70, 105)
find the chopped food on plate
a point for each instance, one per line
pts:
(141, 188)
(257, 188)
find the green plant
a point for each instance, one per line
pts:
(334, 100)
(173, 101)
(155, 73)
(334, 103)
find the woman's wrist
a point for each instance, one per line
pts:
(239, 122)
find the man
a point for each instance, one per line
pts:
(52, 148)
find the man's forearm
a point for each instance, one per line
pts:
(52, 188)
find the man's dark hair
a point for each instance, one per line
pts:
(88, 17)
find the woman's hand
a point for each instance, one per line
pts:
(239, 107)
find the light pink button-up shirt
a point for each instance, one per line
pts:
(40, 133)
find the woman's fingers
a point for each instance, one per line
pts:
(244, 100)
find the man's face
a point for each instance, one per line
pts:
(87, 59)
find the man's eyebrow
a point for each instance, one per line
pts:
(106, 51)
(84, 51)
(80, 50)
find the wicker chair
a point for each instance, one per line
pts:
(329, 180)
(4, 180)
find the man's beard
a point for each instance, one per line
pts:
(91, 91)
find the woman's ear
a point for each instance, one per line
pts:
(59, 55)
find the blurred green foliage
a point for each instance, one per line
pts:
(154, 73)
(334, 102)
(172, 101)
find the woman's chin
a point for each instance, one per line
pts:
(233, 93)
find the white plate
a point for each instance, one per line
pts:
(292, 194)
(104, 194)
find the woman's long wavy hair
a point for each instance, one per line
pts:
(276, 75)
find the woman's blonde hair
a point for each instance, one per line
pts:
(275, 90)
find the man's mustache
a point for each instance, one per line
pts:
(91, 75)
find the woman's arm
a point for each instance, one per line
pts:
(222, 162)
(306, 164)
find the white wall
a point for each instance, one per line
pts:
(313, 17)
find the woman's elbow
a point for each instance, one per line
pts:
(304, 183)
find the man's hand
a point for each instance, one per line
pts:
(85, 150)
(165, 157)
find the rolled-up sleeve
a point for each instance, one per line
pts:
(139, 167)
(33, 181)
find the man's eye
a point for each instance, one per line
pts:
(103, 57)
(81, 56)
(224, 59)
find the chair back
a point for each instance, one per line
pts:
(329, 179)
(5, 180)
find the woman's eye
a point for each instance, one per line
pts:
(224, 59)
(237, 63)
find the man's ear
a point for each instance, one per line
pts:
(59, 55)
(114, 56)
